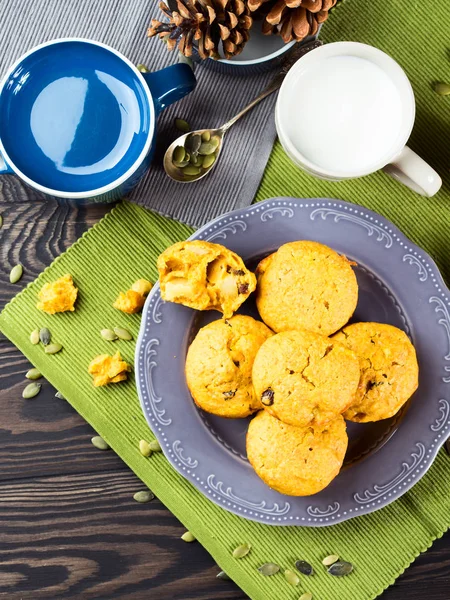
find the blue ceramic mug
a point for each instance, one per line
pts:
(78, 120)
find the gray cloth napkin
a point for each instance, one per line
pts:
(123, 24)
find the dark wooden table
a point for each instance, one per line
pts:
(69, 528)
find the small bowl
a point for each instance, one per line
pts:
(261, 54)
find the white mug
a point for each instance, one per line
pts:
(390, 153)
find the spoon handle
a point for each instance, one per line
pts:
(298, 51)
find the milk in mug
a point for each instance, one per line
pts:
(335, 110)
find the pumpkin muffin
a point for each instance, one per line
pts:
(219, 366)
(298, 461)
(204, 276)
(304, 378)
(306, 285)
(389, 370)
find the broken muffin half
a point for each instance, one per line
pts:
(204, 276)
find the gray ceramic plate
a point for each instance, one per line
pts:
(398, 284)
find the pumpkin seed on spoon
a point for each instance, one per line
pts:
(192, 155)
(207, 143)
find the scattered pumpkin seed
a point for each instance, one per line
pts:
(304, 567)
(182, 125)
(53, 348)
(33, 374)
(340, 568)
(329, 560)
(291, 577)
(1, 221)
(223, 575)
(122, 333)
(208, 161)
(45, 336)
(16, 273)
(59, 395)
(154, 446)
(188, 537)
(34, 337)
(143, 496)
(306, 596)
(99, 443)
(206, 136)
(142, 68)
(241, 551)
(31, 390)
(268, 569)
(109, 335)
(144, 448)
(441, 88)
(191, 170)
(178, 154)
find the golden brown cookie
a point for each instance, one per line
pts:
(204, 276)
(304, 378)
(389, 370)
(219, 366)
(298, 461)
(306, 285)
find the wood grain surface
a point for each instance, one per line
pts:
(69, 528)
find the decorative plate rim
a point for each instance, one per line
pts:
(422, 453)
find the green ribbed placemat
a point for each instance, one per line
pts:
(121, 248)
(124, 246)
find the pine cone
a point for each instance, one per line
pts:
(207, 23)
(292, 19)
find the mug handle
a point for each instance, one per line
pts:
(414, 172)
(4, 167)
(170, 84)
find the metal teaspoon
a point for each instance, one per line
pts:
(176, 172)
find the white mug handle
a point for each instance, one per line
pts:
(414, 172)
